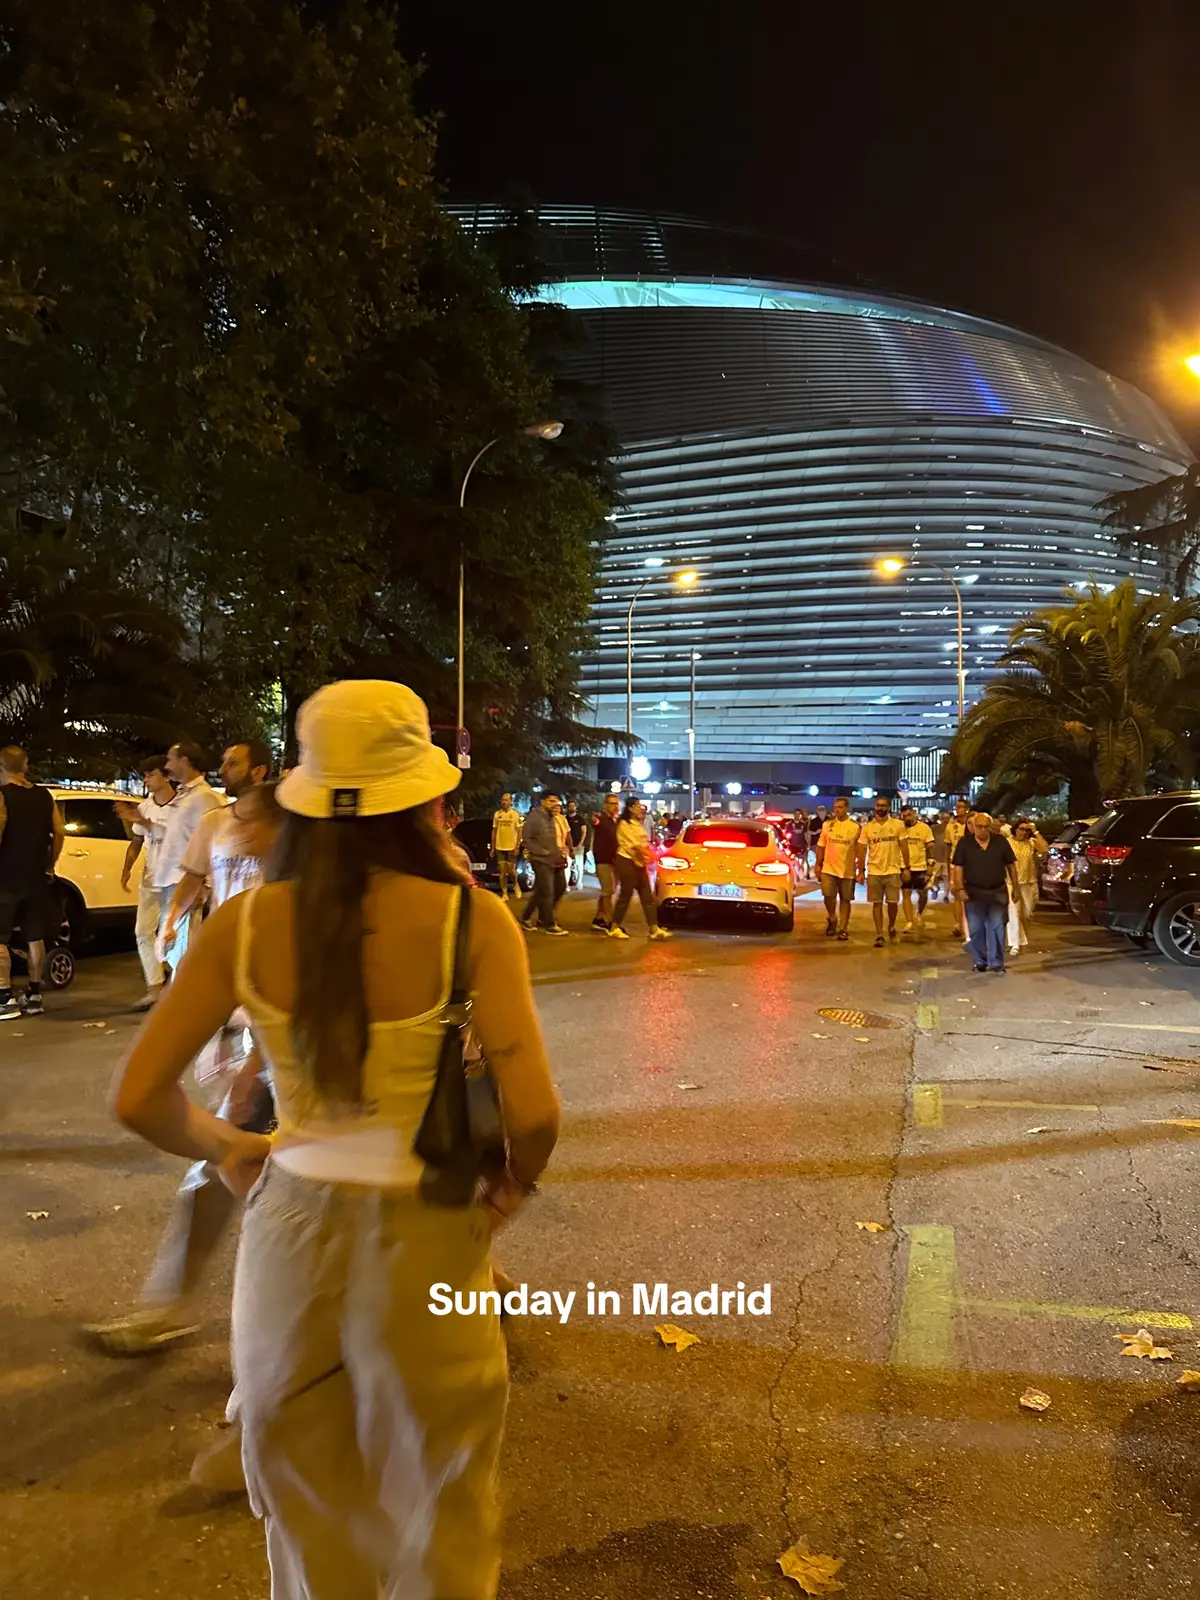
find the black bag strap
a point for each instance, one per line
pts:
(459, 993)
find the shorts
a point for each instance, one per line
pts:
(506, 858)
(883, 886)
(918, 880)
(36, 910)
(837, 888)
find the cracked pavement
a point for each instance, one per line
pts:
(875, 1411)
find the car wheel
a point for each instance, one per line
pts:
(60, 967)
(75, 914)
(785, 922)
(1177, 929)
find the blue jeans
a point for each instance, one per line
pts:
(987, 918)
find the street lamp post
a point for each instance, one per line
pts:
(692, 737)
(891, 567)
(536, 430)
(685, 580)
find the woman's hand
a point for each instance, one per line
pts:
(241, 1166)
(502, 1196)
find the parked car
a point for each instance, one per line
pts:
(89, 867)
(731, 864)
(1138, 873)
(475, 836)
(1054, 880)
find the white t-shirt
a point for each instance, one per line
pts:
(839, 841)
(883, 847)
(506, 829)
(920, 840)
(1027, 860)
(214, 852)
(152, 831)
(178, 823)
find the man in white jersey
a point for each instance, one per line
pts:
(229, 848)
(919, 836)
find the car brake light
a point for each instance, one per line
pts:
(674, 863)
(772, 869)
(724, 844)
(1108, 852)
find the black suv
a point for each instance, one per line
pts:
(1137, 871)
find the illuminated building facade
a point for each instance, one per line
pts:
(780, 436)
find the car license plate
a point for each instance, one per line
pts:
(479, 866)
(721, 891)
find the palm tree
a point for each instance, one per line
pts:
(90, 675)
(1163, 516)
(1093, 695)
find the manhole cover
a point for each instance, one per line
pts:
(856, 1019)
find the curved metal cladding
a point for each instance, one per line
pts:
(779, 437)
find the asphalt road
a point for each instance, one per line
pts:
(1035, 1183)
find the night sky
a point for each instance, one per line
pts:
(1036, 163)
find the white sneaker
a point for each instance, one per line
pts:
(554, 930)
(617, 933)
(659, 933)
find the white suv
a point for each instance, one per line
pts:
(89, 868)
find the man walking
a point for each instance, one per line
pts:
(983, 869)
(194, 796)
(228, 848)
(31, 838)
(577, 828)
(153, 897)
(216, 854)
(837, 850)
(604, 856)
(506, 844)
(919, 837)
(883, 853)
(798, 832)
(547, 844)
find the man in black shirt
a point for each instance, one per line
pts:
(31, 836)
(983, 868)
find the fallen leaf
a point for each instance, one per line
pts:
(822, 1036)
(93, 1024)
(36, 1216)
(1141, 1344)
(873, 1227)
(1035, 1400)
(962, 1002)
(679, 1337)
(109, 1031)
(814, 1574)
(16, 1036)
(1039, 1130)
(1189, 1381)
(688, 1086)
(862, 1038)
(1145, 1002)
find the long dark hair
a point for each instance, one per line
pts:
(329, 863)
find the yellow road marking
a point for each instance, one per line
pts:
(1043, 1308)
(1147, 1027)
(1176, 1122)
(927, 1105)
(927, 1016)
(925, 1336)
(1021, 1105)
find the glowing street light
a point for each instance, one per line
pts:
(1192, 363)
(685, 580)
(535, 430)
(891, 567)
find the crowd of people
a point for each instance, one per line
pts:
(365, 1430)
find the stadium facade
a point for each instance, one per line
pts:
(779, 436)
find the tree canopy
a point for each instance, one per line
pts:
(1164, 517)
(246, 358)
(1094, 694)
